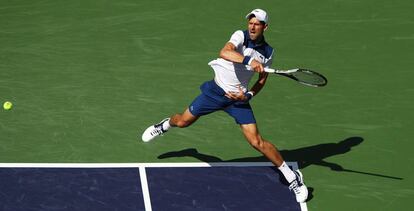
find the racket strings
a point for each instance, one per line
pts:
(309, 77)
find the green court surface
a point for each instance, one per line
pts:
(87, 77)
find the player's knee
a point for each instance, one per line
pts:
(183, 124)
(179, 121)
(256, 142)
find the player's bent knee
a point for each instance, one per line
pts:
(183, 124)
(256, 142)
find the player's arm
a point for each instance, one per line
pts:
(229, 53)
(260, 83)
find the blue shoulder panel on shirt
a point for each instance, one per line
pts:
(264, 48)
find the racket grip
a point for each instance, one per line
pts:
(269, 70)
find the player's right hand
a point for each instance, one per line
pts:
(257, 66)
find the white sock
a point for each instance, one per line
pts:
(287, 172)
(166, 125)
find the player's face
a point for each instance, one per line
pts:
(256, 28)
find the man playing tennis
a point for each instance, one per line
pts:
(244, 54)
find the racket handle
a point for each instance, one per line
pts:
(270, 70)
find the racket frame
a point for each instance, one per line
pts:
(288, 73)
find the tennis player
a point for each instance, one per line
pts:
(243, 55)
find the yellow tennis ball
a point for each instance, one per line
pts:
(7, 105)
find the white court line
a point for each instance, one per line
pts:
(142, 166)
(138, 165)
(303, 206)
(145, 189)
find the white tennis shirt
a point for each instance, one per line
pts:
(231, 75)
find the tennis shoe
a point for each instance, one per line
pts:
(299, 188)
(154, 131)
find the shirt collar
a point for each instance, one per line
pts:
(256, 43)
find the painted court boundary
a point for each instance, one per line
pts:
(142, 172)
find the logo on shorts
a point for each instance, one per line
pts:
(191, 108)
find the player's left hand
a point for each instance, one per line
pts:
(236, 96)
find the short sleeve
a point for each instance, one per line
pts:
(237, 38)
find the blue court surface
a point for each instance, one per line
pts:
(145, 186)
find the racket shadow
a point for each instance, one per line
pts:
(306, 156)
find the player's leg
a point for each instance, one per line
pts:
(201, 105)
(182, 120)
(243, 114)
(294, 178)
(252, 135)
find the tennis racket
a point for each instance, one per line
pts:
(303, 76)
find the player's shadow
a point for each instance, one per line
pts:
(306, 156)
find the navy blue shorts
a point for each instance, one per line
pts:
(212, 99)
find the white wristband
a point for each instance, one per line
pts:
(250, 61)
(250, 92)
